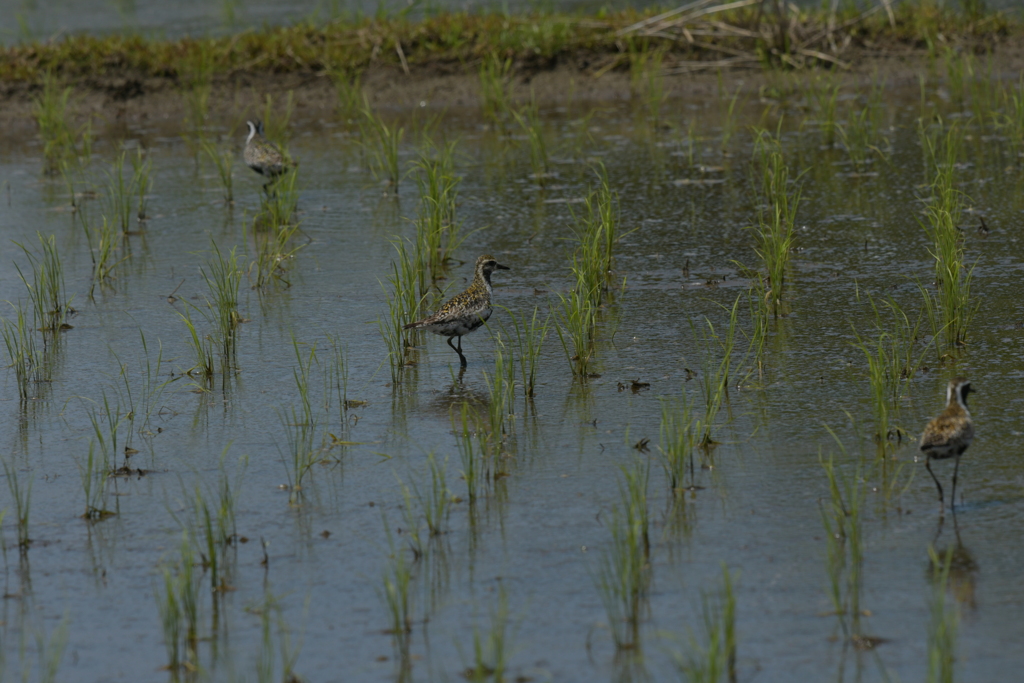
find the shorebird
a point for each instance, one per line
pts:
(949, 435)
(261, 155)
(464, 312)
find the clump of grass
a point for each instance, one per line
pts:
(212, 527)
(529, 338)
(196, 79)
(953, 276)
(272, 248)
(223, 160)
(844, 544)
(528, 118)
(437, 230)
(404, 300)
(94, 472)
(142, 181)
(104, 244)
(678, 441)
(223, 276)
(501, 397)
(62, 146)
(276, 123)
(760, 317)
(826, 93)
(201, 347)
(50, 304)
(107, 419)
(1012, 122)
(712, 657)
(942, 627)
(776, 216)
(716, 366)
(892, 362)
(623, 575)
(22, 353)
(279, 204)
(22, 499)
(119, 194)
(349, 90)
(496, 89)
(575, 326)
(380, 143)
(301, 426)
(729, 123)
(645, 79)
(597, 233)
(860, 137)
(491, 650)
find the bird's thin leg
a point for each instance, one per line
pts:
(928, 466)
(462, 359)
(956, 468)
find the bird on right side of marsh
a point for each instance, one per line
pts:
(464, 312)
(949, 435)
(261, 155)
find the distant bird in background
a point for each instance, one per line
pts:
(949, 435)
(263, 156)
(464, 312)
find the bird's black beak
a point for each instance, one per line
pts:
(501, 267)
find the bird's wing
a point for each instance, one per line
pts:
(939, 432)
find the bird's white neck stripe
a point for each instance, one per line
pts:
(252, 133)
(958, 393)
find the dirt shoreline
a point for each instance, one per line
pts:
(124, 99)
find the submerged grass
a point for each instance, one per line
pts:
(944, 622)
(679, 438)
(844, 543)
(711, 657)
(398, 599)
(624, 574)
(717, 347)
(21, 496)
(178, 604)
(491, 649)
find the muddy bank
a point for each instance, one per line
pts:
(130, 99)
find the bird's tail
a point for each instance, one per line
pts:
(411, 326)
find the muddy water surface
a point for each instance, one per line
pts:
(315, 564)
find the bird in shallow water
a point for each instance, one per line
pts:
(263, 156)
(464, 312)
(949, 435)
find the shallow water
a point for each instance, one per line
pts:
(539, 533)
